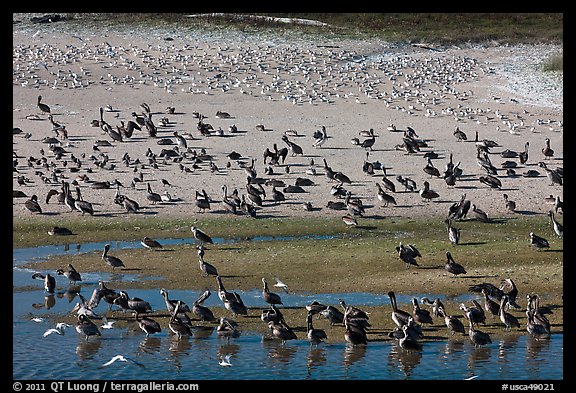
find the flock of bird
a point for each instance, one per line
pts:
(498, 301)
(282, 173)
(287, 172)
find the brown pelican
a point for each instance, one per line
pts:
(332, 314)
(81, 205)
(478, 338)
(523, 156)
(536, 315)
(538, 242)
(558, 228)
(426, 193)
(135, 304)
(49, 281)
(281, 331)
(59, 231)
(314, 335)
(452, 267)
(490, 306)
(150, 243)
(510, 204)
(369, 142)
(491, 181)
(385, 197)
(232, 300)
(203, 312)
(294, 148)
(497, 292)
(148, 325)
(555, 176)
(269, 297)
(176, 325)
(479, 214)
(227, 328)
(546, 150)
(353, 334)
(152, 196)
(171, 303)
(207, 268)
(71, 274)
(453, 232)
(32, 204)
(420, 315)
(201, 236)
(453, 324)
(507, 319)
(408, 254)
(474, 314)
(430, 169)
(349, 220)
(43, 107)
(400, 317)
(111, 260)
(460, 135)
(86, 327)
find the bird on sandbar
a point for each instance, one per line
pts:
(201, 236)
(110, 259)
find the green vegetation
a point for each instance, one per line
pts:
(437, 28)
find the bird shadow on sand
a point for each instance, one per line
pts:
(130, 269)
(366, 227)
(471, 243)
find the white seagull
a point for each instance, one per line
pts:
(225, 361)
(60, 326)
(106, 324)
(122, 359)
(280, 284)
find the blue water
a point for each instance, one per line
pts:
(253, 356)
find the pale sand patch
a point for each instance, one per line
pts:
(283, 83)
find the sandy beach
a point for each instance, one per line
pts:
(292, 87)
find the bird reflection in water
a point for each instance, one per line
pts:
(315, 358)
(69, 294)
(453, 346)
(405, 360)
(150, 344)
(353, 353)
(507, 345)
(278, 352)
(478, 355)
(86, 349)
(49, 302)
(534, 348)
(178, 347)
(202, 332)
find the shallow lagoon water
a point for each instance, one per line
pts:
(253, 356)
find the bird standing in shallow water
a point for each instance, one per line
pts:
(150, 243)
(86, 327)
(49, 281)
(110, 259)
(269, 297)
